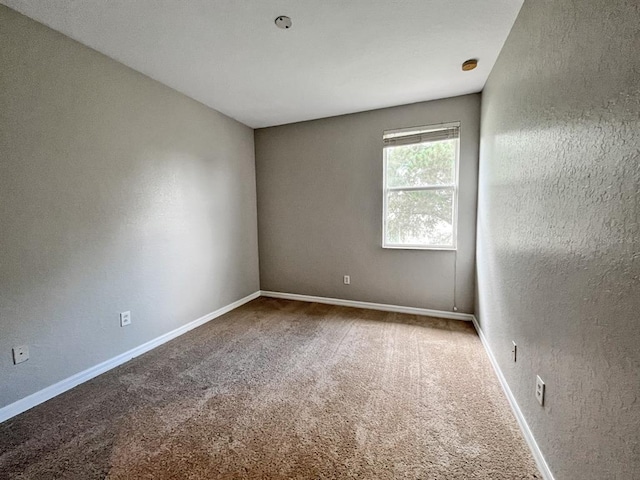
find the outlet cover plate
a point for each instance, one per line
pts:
(540, 387)
(125, 319)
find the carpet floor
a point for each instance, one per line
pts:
(280, 389)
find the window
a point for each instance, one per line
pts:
(421, 187)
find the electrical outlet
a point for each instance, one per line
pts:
(514, 351)
(347, 280)
(20, 354)
(125, 319)
(539, 390)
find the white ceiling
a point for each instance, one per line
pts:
(340, 56)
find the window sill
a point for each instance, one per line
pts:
(418, 247)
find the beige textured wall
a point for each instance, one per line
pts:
(320, 210)
(559, 229)
(116, 193)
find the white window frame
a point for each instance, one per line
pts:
(454, 187)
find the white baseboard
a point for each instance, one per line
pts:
(524, 426)
(62, 386)
(370, 306)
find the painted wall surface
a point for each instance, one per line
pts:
(116, 193)
(559, 229)
(320, 210)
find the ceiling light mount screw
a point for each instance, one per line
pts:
(283, 22)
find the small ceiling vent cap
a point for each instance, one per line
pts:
(283, 22)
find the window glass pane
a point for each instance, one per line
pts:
(422, 217)
(431, 163)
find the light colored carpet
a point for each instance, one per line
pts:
(281, 389)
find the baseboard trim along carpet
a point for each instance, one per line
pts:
(62, 386)
(370, 306)
(524, 426)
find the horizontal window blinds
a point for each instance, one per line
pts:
(413, 136)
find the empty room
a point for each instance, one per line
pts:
(320, 239)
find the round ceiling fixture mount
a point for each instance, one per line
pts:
(283, 22)
(470, 64)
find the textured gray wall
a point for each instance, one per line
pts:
(320, 210)
(116, 193)
(559, 229)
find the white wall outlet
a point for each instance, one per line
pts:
(347, 280)
(125, 319)
(539, 390)
(20, 354)
(514, 351)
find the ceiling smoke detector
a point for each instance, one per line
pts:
(283, 22)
